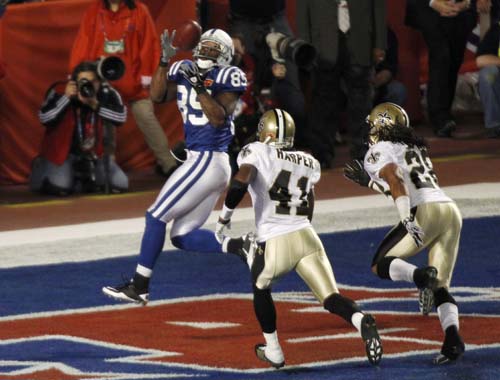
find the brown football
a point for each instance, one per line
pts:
(187, 35)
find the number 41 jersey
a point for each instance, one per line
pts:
(281, 188)
(418, 173)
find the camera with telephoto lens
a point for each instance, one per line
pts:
(284, 47)
(86, 88)
(109, 68)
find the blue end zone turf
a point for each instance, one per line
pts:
(184, 274)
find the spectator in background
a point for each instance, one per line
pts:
(445, 26)
(249, 108)
(254, 20)
(125, 28)
(488, 61)
(350, 36)
(387, 88)
(74, 114)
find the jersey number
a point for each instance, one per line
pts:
(279, 192)
(421, 172)
(188, 98)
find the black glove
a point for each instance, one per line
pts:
(355, 172)
(193, 76)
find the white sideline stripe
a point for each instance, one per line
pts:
(204, 325)
(344, 335)
(136, 225)
(279, 296)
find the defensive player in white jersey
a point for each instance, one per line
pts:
(207, 91)
(397, 161)
(280, 181)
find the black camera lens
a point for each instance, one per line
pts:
(85, 88)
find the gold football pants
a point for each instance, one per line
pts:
(300, 250)
(441, 223)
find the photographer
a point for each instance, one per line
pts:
(78, 115)
(255, 21)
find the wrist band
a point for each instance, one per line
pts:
(403, 206)
(226, 213)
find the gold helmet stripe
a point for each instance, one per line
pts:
(280, 118)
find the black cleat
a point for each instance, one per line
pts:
(373, 344)
(278, 362)
(249, 248)
(453, 347)
(426, 280)
(127, 292)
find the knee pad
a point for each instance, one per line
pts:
(383, 266)
(441, 296)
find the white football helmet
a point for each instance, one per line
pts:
(215, 47)
(277, 128)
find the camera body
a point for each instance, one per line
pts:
(85, 88)
(298, 51)
(108, 69)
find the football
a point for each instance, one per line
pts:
(187, 35)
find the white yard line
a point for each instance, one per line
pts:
(113, 238)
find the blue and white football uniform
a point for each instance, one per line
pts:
(191, 192)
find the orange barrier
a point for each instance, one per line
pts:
(35, 42)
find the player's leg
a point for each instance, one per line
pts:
(272, 261)
(265, 311)
(442, 255)
(191, 210)
(315, 269)
(389, 260)
(179, 195)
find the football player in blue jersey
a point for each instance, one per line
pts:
(207, 91)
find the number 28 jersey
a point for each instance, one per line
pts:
(199, 134)
(280, 190)
(418, 173)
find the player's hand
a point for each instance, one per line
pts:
(167, 49)
(193, 76)
(414, 230)
(355, 172)
(220, 227)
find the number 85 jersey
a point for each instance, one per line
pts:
(418, 173)
(280, 189)
(199, 134)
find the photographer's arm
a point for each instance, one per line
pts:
(55, 105)
(111, 107)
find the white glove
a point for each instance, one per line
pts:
(272, 40)
(414, 230)
(220, 227)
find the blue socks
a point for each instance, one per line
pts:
(153, 240)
